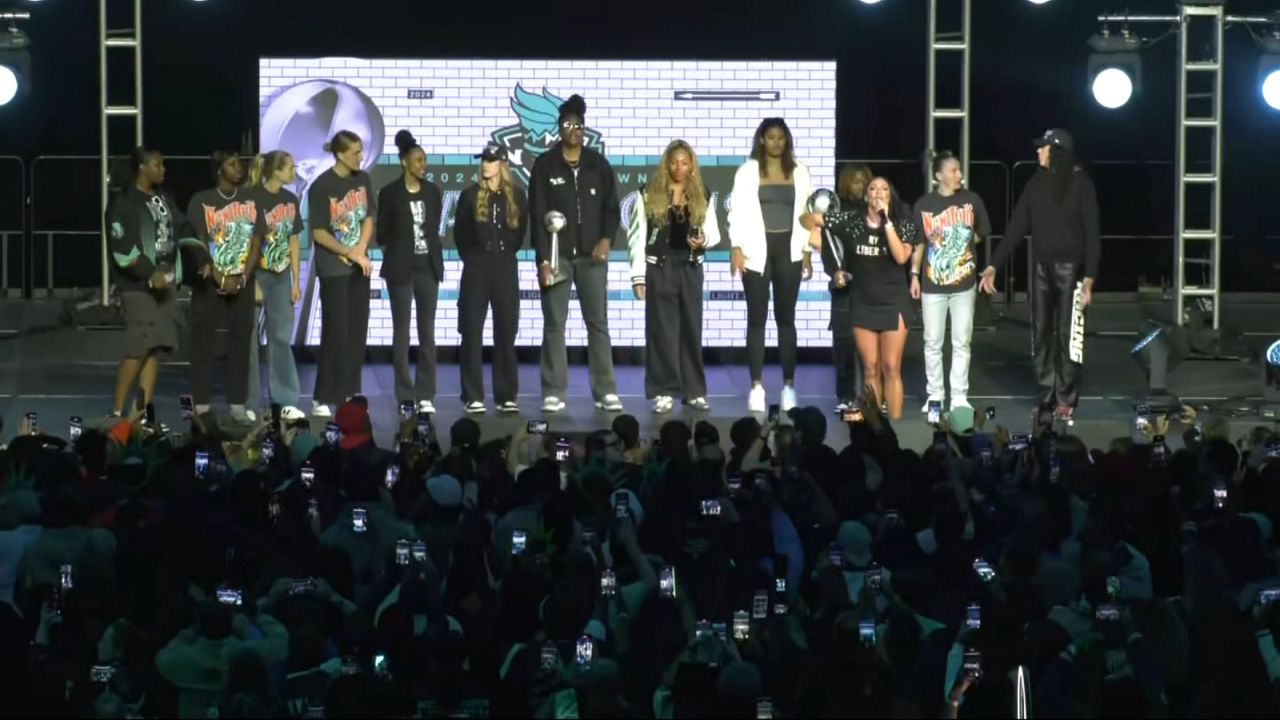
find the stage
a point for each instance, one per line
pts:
(66, 370)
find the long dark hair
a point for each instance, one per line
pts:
(1062, 168)
(788, 154)
(898, 211)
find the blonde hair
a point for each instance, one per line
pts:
(507, 188)
(657, 194)
(266, 165)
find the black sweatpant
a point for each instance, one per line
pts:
(209, 313)
(673, 330)
(422, 291)
(344, 330)
(489, 280)
(784, 275)
(1053, 294)
(844, 352)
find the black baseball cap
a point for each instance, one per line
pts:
(492, 152)
(1056, 137)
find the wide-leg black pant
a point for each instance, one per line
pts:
(489, 280)
(344, 330)
(673, 330)
(1051, 305)
(209, 312)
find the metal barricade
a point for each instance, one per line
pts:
(13, 225)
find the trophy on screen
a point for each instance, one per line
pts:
(821, 202)
(554, 222)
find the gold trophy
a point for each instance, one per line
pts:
(554, 222)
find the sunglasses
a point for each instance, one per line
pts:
(571, 126)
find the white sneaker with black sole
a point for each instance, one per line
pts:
(552, 404)
(509, 407)
(475, 407)
(426, 406)
(609, 403)
(756, 400)
(699, 403)
(321, 410)
(663, 404)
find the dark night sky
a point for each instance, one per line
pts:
(1029, 72)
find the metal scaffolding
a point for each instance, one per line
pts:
(110, 43)
(941, 44)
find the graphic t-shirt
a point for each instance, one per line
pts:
(279, 218)
(341, 205)
(877, 278)
(226, 226)
(166, 243)
(947, 225)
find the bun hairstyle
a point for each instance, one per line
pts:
(217, 158)
(341, 142)
(266, 165)
(574, 106)
(406, 142)
(938, 158)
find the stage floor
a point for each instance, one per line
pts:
(69, 371)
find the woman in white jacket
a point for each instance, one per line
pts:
(671, 225)
(771, 248)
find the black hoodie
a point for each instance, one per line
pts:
(589, 201)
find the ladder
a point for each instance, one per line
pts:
(112, 43)
(940, 45)
(1198, 205)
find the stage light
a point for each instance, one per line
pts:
(1037, 2)
(15, 64)
(1159, 352)
(1115, 69)
(870, 2)
(1269, 69)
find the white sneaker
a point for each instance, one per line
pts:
(425, 406)
(321, 410)
(842, 406)
(699, 403)
(475, 408)
(663, 404)
(509, 407)
(552, 404)
(610, 403)
(756, 399)
(788, 399)
(960, 402)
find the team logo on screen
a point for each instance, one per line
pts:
(536, 131)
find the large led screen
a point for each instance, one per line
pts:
(635, 107)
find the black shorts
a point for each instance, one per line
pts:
(150, 322)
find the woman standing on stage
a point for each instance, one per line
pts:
(770, 247)
(225, 218)
(851, 186)
(877, 240)
(340, 213)
(488, 229)
(143, 222)
(409, 233)
(671, 227)
(279, 273)
(1059, 207)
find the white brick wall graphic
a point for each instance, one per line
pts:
(454, 106)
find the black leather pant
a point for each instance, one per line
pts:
(1051, 301)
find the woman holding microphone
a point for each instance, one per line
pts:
(671, 226)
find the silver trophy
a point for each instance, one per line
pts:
(821, 202)
(554, 222)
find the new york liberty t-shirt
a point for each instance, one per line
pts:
(279, 218)
(340, 204)
(947, 227)
(226, 225)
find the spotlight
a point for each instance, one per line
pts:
(1115, 68)
(1037, 2)
(1269, 69)
(870, 2)
(15, 64)
(1159, 352)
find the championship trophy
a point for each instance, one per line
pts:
(554, 222)
(821, 202)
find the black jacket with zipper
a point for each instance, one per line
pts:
(497, 238)
(589, 202)
(395, 230)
